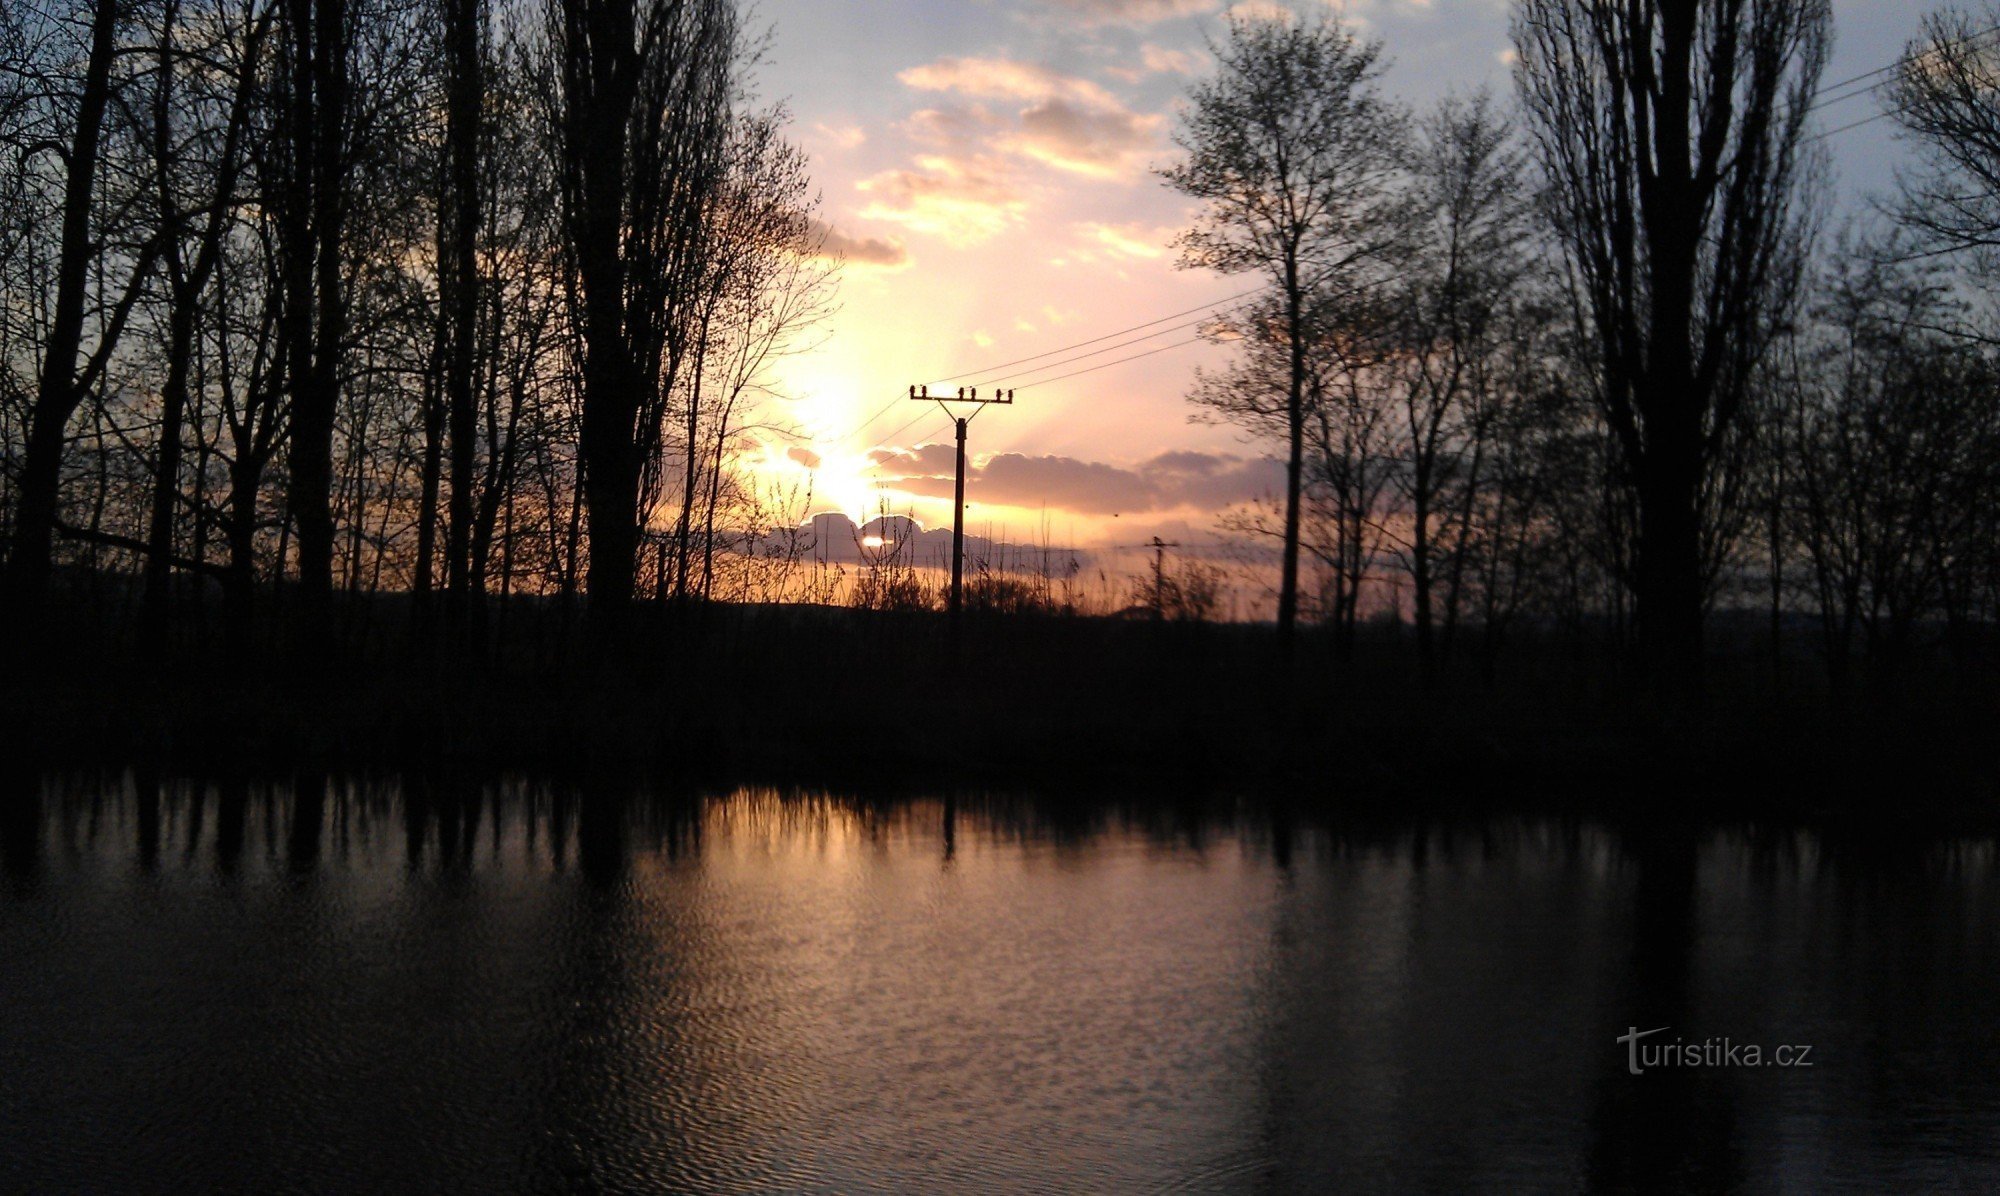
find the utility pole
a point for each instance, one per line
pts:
(1160, 577)
(1001, 398)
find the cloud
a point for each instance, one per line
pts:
(1168, 482)
(1261, 10)
(834, 538)
(1069, 123)
(804, 456)
(883, 253)
(965, 185)
(1212, 481)
(924, 459)
(1130, 12)
(1159, 60)
(842, 136)
(953, 128)
(1127, 240)
(1103, 143)
(1004, 79)
(1162, 61)
(963, 201)
(1087, 487)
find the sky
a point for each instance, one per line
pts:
(988, 169)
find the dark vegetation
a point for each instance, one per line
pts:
(374, 383)
(894, 700)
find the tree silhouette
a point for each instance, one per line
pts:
(1672, 138)
(1292, 151)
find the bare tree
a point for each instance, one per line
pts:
(768, 287)
(642, 92)
(88, 249)
(310, 226)
(198, 225)
(464, 29)
(1445, 371)
(1890, 433)
(1293, 153)
(1672, 135)
(1948, 96)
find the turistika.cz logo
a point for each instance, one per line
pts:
(1708, 1052)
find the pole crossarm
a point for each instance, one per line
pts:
(966, 394)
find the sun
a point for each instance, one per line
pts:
(837, 477)
(842, 430)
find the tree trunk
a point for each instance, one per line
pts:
(57, 394)
(430, 482)
(1668, 596)
(461, 292)
(1295, 421)
(314, 433)
(604, 88)
(1420, 580)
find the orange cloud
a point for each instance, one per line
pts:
(1174, 481)
(883, 253)
(1004, 79)
(961, 201)
(1132, 12)
(1068, 123)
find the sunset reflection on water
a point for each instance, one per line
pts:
(507, 986)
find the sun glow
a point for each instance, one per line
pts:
(832, 457)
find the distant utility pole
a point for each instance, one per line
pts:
(1001, 398)
(1160, 547)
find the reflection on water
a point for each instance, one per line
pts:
(422, 986)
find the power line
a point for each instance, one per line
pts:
(890, 438)
(1851, 126)
(1206, 311)
(1137, 340)
(989, 370)
(891, 406)
(1349, 293)
(1941, 251)
(1900, 64)
(986, 372)
(1121, 361)
(1821, 98)
(1825, 97)
(1047, 381)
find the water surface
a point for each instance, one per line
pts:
(339, 985)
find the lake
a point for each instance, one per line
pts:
(376, 985)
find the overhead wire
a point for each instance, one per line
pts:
(1905, 62)
(1854, 87)
(990, 370)
(1822, 98)
(1202, 312)
(1207, 318)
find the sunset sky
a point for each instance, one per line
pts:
(987, 166)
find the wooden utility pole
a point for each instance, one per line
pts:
(1001, 398)
(1160, 547)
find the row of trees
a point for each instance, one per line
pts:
(1704, 401)
(448, 298)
